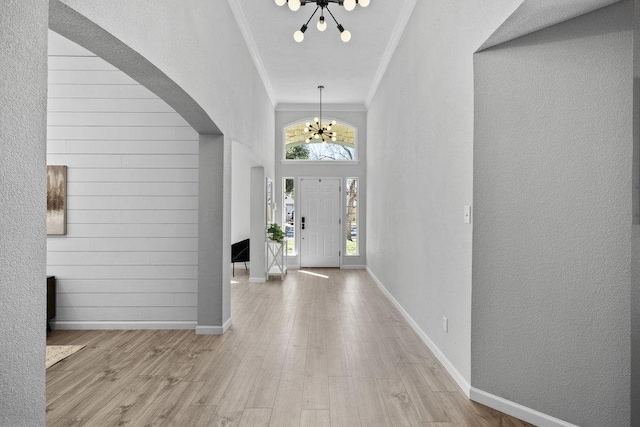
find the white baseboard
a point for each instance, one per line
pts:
(516, 410)
(457, 376)
(213, 330)
(257, 280)
(503, 405)
(353, 267)
(128, 325)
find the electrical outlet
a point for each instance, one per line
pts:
(445, 324)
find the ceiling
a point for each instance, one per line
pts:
(350, 72)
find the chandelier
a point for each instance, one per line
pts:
(317, 129)
(349, 5)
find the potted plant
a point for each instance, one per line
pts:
(275, 233)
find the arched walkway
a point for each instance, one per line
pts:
(214, 184)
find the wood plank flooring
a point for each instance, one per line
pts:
(322, 348)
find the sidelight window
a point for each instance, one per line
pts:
(351, 222)
(289, 214)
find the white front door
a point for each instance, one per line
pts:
(320, 222)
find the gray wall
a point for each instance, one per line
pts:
(551, 253)
(419, 169)
(214, 241)
(23, 102)
(257, 206)
(635, 326)
(635, 258)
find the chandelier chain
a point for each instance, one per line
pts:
(318, 130)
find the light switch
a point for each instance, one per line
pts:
(467, 214)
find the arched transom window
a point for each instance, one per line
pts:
(342, 149)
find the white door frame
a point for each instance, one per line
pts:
(297, 205)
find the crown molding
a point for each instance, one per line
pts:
(325, 107)
(241, 20)
(398, 30)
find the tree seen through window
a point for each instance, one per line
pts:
(343, 149)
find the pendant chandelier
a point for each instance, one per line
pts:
(349, 5)
(317, 129)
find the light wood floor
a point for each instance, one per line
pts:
(318, 349)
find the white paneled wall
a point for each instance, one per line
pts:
(129, 258)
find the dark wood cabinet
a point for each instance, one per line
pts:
(51, 299)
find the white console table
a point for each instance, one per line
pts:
(276, 258)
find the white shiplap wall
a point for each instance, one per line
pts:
(129, 259)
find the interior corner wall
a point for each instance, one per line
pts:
(242, 161)
(130, 255)
(635, 257)
(257, 249)
(552, 219)
(214, 255)
(419, 170)
(23, 97)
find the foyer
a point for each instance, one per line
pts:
(497, 160)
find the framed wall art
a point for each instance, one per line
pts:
(269, 201)
(56, 200)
